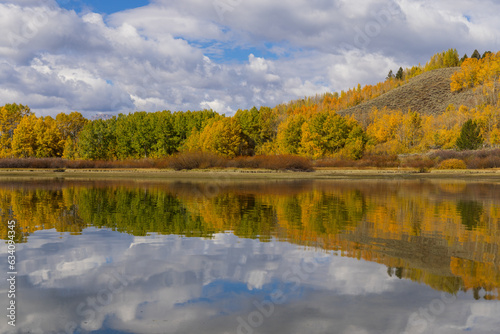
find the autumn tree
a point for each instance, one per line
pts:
(69, 126)
(49, 140)
(410, 134)
(24, 141)
(258, 125)
(10, 116)
(444, 59)
(37, 137)
(486, 53)
(290, 134)
(325, 134)
(467, 76)
(185, 122)
(483, 72)
(223, 136)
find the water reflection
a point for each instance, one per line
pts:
(276, 257)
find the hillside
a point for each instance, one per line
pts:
(428, 93)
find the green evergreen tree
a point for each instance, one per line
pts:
(476, 55)
(486, 53)
(400, 74)
(463, 58)
(470, 136)
(390, 75)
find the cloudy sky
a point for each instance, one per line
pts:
(98, 56)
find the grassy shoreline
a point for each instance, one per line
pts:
(243, 174)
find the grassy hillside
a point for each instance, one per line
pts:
(429, 93)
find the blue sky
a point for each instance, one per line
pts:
(122, 56)
(101, 6)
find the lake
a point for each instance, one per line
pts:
(316, 256)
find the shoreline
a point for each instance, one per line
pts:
(248, 174)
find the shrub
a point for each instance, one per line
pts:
(244, 162)
(485, 162)
(196, 160)
(486, 158)
(284, 162)
(452, 164)
(32, 163)
(335, 162)
(421, 163)
(368, 160)
(379, 161)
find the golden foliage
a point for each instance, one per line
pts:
(474, 72)
(222, 136)
(452, 164)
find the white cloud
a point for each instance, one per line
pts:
(218, 105)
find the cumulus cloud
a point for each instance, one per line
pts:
(179, 55)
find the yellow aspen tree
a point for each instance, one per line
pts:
(24, 141)
(494, 139)
(289, 135)
(223, 136)
(309, 143)
(10, 116)
(49, 142)
(193, 142)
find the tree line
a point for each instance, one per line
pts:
(308, 127)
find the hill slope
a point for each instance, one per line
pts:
(428, 93)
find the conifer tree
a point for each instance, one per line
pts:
(390, 75)
(470, 136)
(476, 55)
(400, 74)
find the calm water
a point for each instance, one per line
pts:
(274, 257)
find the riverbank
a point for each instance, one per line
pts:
(248, 174)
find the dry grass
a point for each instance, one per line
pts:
(369, 160)
(195, 160)
(184, 161)
(480, 159)
(428, 93)
(58, 163)
(282, 162)
(419, 162)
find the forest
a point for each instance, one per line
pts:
(313, 128)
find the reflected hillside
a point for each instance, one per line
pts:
(443, 234)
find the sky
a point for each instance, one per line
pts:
(110, 57)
